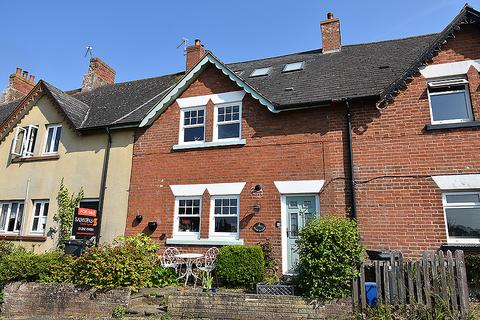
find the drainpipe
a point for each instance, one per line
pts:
(103, 183)
(353, 213)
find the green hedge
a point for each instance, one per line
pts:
(329, 253)
(241, 266)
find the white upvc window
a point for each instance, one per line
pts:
(24, 141)
(227, 122)
(52, 139)
(192, 125)
(11, 215)
(449, 101)
(39, 216)
(224, 216)
(462, 216)
(188, 211)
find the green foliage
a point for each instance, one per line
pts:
(66, 206)
(472, 264)
(61, 270)
(271, 267)
(6, 247)
(329, 253)
(241, 266)
(119, 312)
(207, 280)
(162, 277)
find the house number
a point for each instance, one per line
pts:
(259, 227)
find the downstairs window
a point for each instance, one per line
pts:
(462, 214)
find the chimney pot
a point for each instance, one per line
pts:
(198, 42)
(330, 15)
(18, 86)
(25, 74)
(19, 71)
(32, 78)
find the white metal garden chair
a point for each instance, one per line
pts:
(169, 260)
(208, 263)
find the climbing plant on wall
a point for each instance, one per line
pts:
(66, 206)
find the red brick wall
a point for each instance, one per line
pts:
(296, 145)
(404, 212)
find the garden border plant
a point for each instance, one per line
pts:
(64, 216)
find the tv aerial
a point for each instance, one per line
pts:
(89, 51)
(184, 43)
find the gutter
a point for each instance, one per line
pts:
(103, 184)
(353, 213)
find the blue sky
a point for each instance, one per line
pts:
(139, 38)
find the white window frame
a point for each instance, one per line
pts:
(40, 217)
(183, 234)
(5, 227)
(181, 137)
(459, 205)
(444, 83)
(216, 123)
(48, 150)
(26, 143)
(223, 235)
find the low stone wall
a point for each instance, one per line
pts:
(251, 306)
(38, 300)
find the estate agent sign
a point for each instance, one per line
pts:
(85, 224)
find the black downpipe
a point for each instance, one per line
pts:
(353, 213)
(103, 183)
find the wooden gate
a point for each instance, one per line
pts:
(436, 278)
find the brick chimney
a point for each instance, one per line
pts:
(19, 85)
(331, 40)
(99, 74)
(194, 54)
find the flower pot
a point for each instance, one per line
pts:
(214, 290)
(205, 290)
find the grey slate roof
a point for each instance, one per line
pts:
(376, 70)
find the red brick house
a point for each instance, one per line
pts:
(244, 152)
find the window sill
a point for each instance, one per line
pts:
(212, 144)
(470, 124)
(33, 159)
(467, 247)
(14, 237)
(213, 242)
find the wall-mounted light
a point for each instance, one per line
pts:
(257, 188)
(256, 208)
(138, 217)
(277, 224)
(152, 225)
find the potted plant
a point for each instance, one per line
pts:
(207, 281)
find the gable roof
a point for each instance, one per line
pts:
(191, 76)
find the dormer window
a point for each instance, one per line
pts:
(24, 141)
(192, 125)
(449, 101)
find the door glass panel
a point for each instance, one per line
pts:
(292, 204)
(293, 225)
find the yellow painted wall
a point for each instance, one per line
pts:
(80, 165)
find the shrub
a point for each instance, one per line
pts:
(241, 266)
(329, 253)
(472, 264)
(162, 277)
(119, 312)
(61, 270)
(6, 247)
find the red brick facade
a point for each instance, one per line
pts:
(399, 206)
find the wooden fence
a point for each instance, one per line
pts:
(435, 279)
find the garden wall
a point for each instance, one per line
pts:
(27, 300)
(251, 306)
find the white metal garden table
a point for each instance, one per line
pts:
(188, 259)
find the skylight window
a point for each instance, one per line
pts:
(293, 66)
(260, 72)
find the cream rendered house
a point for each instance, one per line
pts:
(84, 137)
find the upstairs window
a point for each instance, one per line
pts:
(24, 141)
(11, 215)
(462, 214)
(449, 101)
(52, 139)
(192, 125)
(228, 122)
